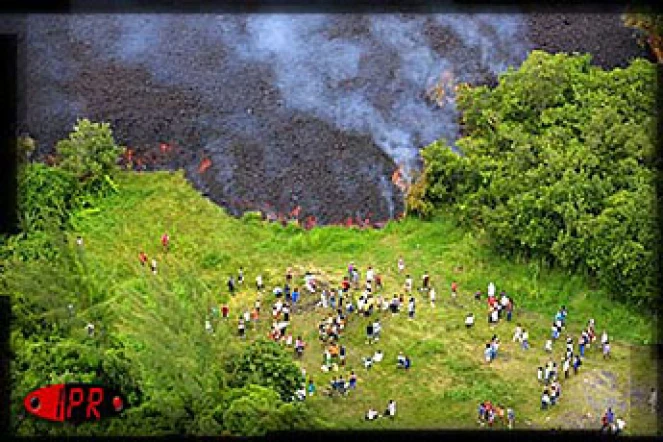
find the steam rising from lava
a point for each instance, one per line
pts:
(368, 74)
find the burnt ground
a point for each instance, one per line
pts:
(290, 158)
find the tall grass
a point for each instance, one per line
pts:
(448, 377)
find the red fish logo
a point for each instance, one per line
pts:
(74, 402)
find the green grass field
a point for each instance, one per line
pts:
(449, 376)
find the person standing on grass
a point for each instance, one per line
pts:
(469, 321)
(569, 344)
(454, 289)
(377, 328)
(518, 333)
(408, 284)
(525, 340)
(378, 282)
(370, 274)
(410, 308)
(548, 346)
(391, 409)
(401, 264)
(582, 341)
(241, 327)
(79, 241)
(566, 365)
(481, 410)
(539, 375)
(545, 400)
(491, 290)
(231, 286)
(606, 350)
(247, 317)
(577, 362)
(341, 355)
(509, 309)
(369, 333)
(511, 417)
(604, 337)
(259, 284)
(165, 242)
(488, 353)
(142, 256)
(352, 380)
(431, 293)
(154, 266)
(240, 276)
(477, 295)
(425, 281)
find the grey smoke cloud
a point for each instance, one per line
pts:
(370, 77)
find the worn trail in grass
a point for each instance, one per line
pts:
(449, 376)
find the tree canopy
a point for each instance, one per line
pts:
(557, 163)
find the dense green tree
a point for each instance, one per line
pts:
(90, 152)
(266, 363)
(557, 164)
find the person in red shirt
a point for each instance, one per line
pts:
(143, 258)
(454, 289)
(165, 241)
(225, 311)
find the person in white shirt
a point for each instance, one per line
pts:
(432, 297)
(494, 316)
(247, 316)
(376, 330)
(525, 340)
(491, 289)
(208, 326)
(79, 241)
(259, 282)
(391, 409)
(548, 346)
(154, 266)
(517, 335)
(469, 320)
(408, 284)
(369, 274)
(377, 357)
(410, 308)
(372, 415)
(604, 337)
(401, 265)
(90, 329)
(323, 299)
(545, 400)
(401, 359)
(539, 374)
(566, 365)
(619, 427)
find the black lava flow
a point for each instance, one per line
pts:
(290, 158)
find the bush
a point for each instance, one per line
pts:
(266, 363)
(252, 217)
(90, 152)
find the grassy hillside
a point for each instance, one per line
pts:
(449, 376)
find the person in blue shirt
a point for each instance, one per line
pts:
(311, 387)
(353, 380)
(407, 364)
(482, 411)
(295, 295)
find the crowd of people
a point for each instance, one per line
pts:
(339, 306)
